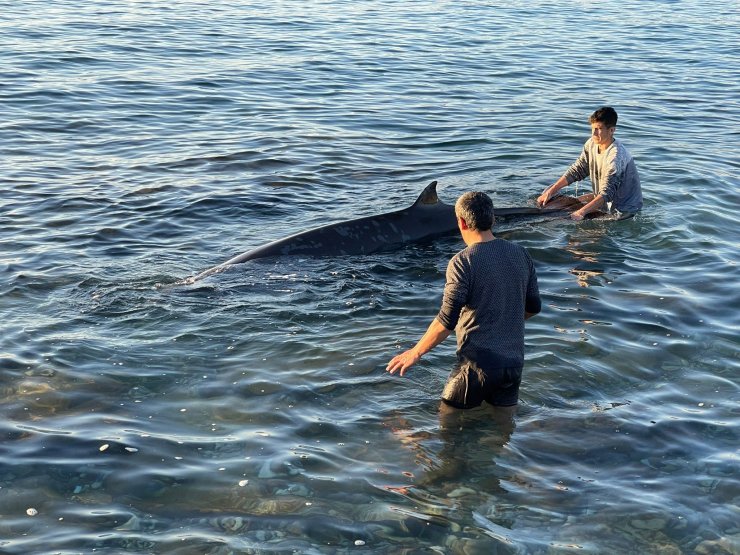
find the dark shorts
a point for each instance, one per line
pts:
(468, 386)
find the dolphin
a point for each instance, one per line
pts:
(426, 219)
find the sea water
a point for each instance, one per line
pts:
(145, 141)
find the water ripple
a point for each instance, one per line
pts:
(250, 412)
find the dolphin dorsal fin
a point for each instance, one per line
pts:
(428, 195)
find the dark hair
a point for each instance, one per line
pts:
(606, 115)
(476, 209)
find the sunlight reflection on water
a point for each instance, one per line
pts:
(249, 412)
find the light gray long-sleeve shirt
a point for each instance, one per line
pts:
(613, 174)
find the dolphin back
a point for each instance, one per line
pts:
(426, 218)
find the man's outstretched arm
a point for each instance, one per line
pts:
(435, 334)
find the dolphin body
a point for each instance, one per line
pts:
(426, 219)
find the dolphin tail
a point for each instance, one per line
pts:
(527, 211)
(565, 202)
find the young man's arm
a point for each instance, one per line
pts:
(592, 206)
(576, 172)
(548, 193)
(435, 334)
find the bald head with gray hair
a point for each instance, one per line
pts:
(476, 209)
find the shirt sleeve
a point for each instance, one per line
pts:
(578, 171)
(455, 294)
(613, 176)
(532, 302)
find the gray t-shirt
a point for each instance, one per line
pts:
(489, 286)
(613, 174)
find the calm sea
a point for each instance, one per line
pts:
(145, 141)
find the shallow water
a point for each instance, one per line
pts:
(249, 412)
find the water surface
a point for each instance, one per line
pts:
(143, 142)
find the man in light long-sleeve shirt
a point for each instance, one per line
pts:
(491, 288)
(614, 178)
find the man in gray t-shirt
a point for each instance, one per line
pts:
(491, 288)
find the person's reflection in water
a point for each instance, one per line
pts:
(470, 442)
(586, 249)
(460, 458)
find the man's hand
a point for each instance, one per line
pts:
(544, 198)
(548, 193)
(404, 361)
(578, 215)
(435, 334)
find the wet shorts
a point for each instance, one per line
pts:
(468, 386)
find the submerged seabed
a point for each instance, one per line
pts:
(144, 142)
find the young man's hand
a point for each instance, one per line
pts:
(544, 198)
